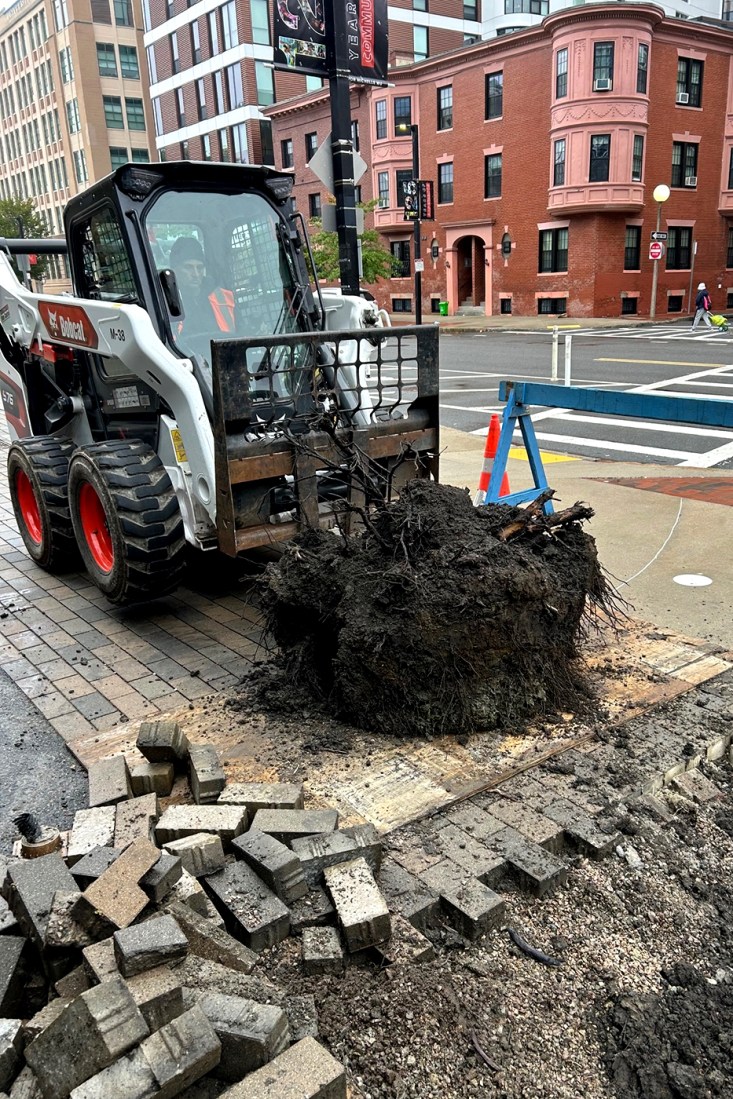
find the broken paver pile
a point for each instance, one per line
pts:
(440, 617)
(128, 957)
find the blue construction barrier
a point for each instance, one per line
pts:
(519, 396)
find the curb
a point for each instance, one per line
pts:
(522, 325)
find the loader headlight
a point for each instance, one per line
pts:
(280, 186)
(138, 182)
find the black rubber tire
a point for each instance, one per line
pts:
(141, 514)
(44, 461)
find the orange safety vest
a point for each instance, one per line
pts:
(223, 310)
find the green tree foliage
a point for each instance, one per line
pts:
(35, 226)
(376, 260)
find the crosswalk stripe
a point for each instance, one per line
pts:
(660, 362)
(646, 425)
(606, 444)
(712, 458)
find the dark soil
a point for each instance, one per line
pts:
(676, 1042)
(428, 622)
(677, 1045)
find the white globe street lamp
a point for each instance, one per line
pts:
(660, 194)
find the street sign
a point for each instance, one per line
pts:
(321, 164)
(659, 236)
(656, 250)
(419, 265)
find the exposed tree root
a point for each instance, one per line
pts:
(436, 620)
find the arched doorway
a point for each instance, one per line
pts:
(471, 276)
(468, 267)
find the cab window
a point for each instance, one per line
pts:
(107, 271)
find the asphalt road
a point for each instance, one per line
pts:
(38, 773)
(651, 359)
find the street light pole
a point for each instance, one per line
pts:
(418, 254)
(337, 50)
(660, 195)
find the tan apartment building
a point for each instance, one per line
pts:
(73, 98)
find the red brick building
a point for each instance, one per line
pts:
(545, 147)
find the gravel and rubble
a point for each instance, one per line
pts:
(640, 1004)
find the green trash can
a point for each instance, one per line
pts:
(443, 308)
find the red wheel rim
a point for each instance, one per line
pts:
(28, 507)
(96, 531)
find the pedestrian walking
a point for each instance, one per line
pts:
(702, 307)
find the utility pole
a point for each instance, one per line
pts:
(337, 57)
(418, 254)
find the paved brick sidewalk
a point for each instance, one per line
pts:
(86, 665)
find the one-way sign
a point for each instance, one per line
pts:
(659, 236)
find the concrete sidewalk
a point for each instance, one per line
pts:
(476, 322)
(644, 537)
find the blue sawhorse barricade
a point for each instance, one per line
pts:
(519, 396)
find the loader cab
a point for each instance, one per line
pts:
(210, 251)
(225, 268)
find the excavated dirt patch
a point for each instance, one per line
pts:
(429, 622)
(676, 1045)
(640, 1007)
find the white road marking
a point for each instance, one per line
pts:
(604, 444)
(485, 410)
(713, 385)
(466, 392)
(646, 425)
(660, 362)
(656, 333)
(711, 458)
(651, 387)
(687, 396)
(506, 376)
(708, 377)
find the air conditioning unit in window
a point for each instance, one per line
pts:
(690, 181)
(602, 85)
(683, 98)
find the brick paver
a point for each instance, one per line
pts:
(87, 665)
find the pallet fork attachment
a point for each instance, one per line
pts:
(316, 404)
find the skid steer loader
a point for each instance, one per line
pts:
(138, 426)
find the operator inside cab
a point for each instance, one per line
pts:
(207, 307)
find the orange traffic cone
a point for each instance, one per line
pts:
(492, 442)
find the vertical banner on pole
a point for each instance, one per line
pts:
(299, 38)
